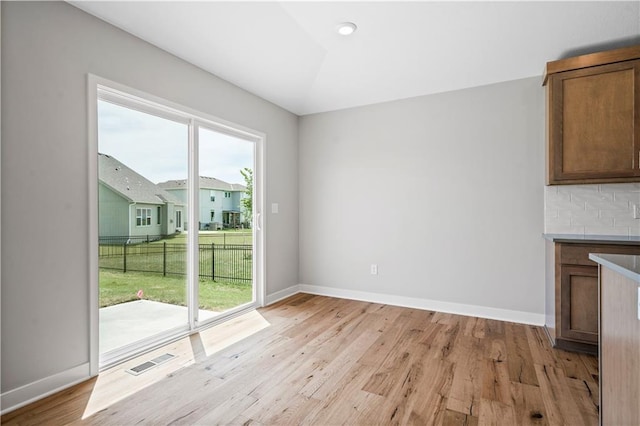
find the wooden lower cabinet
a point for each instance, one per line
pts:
(578, 303)
(572, 293)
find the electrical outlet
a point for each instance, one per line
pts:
(374, 269)
(636, 211)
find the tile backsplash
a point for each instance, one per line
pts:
(605, 209)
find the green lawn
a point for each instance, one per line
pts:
(243, 236)
(117, 287)
(145, 263)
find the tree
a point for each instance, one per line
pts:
(247, 201)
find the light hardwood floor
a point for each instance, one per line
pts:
(319, 360)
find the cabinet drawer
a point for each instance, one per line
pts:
(578, 254)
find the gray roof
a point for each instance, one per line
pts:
(131, 185)
(205, 183)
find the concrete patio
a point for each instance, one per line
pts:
(129, 322)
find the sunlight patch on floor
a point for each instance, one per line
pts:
(115, 384)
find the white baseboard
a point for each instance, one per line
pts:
(426, 304)
(39, 389)
(282, 294)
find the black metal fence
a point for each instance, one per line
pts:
(228, 262)
(108, 241)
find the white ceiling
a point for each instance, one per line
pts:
(290, 54)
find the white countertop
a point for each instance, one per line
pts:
(624, 264)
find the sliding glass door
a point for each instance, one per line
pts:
(142, 246)
(226, 166)
(177, 245)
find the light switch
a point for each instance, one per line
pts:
(274, 207)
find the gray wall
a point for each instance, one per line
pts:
(443, 192)
(47, 50)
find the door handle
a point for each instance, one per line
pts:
(258, 219)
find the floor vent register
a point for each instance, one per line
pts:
(146, 366)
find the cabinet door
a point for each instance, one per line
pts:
(594, 129)
(579, 303)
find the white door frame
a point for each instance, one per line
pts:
(126, 96)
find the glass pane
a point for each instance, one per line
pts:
(225, 234)
(142, 201)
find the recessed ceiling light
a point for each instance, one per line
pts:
(346, 28)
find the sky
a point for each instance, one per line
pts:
(156, 147)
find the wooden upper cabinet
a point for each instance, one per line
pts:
(593, 118)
